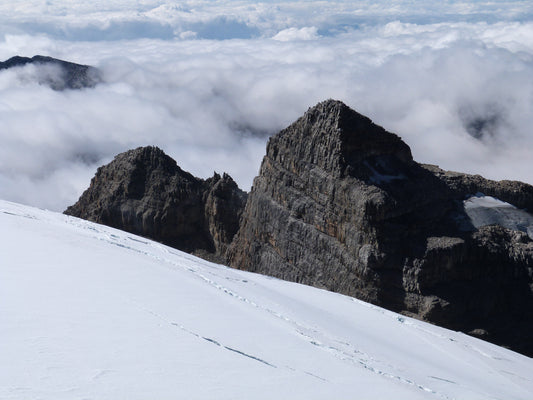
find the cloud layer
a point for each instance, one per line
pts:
(455, 80)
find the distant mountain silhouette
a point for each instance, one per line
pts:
(57, 74)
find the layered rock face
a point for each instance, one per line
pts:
(340, 203)
(143, 191)
(57, 74)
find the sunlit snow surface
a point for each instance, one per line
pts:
(90, 312)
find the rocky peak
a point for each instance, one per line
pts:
(150, 156)
(339, 203)
(140, 169)
(145, 192)
(337, 139)
(62, 74)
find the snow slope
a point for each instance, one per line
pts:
(90, 312)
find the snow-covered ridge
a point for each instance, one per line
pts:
(87, 311)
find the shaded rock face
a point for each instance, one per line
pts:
(339, 203)
(57, 74)
(143, 191)
(223, 206)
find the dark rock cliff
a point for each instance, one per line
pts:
(143, 191)
(58, 74)
(340, 204)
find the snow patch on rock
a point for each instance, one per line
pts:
(486, 210)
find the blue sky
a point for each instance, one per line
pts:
(209, 82)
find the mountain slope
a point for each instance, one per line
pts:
(88, 311)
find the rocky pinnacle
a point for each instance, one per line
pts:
(143, 191)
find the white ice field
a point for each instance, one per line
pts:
(90, 312)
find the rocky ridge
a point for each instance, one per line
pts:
(339, 203)
(57, 74)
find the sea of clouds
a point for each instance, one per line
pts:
(209, 82)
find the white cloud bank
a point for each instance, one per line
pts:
(289, 34)
(455, 80)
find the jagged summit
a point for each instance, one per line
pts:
(144, 191)
(152, 154)
(58, 74)
(336, 138)
(143, 163)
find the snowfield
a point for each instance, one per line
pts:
(90, 312)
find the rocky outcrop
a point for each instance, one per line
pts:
(143, 191)
(223, 206)
(57, 74)
(340, 203)
(519, 194)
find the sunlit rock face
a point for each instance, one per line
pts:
(339, 203)
(57, 74)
